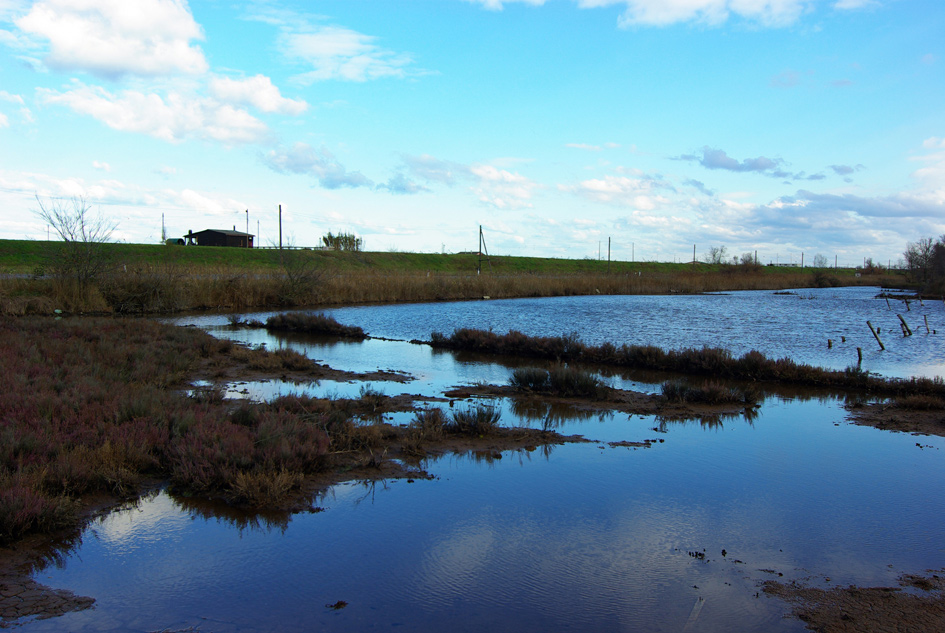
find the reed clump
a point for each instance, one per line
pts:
(476, 420)
(561, 380)
(428, 425)
(709, 392)
(710, 361)
(312, 323)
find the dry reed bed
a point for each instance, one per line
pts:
(170, 288)
(706, 361)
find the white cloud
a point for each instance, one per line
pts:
(773, 13)
(4, 121)
(498, 5)
(338, 53)
(302, 158)
(172, 118)
(854, 4)
(10, 98)
(111, 38)
(666, 12)
(502, 189)
(258, 92)
(639, 193)
(934, 143)
(101, 165)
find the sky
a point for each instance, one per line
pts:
(782, 127)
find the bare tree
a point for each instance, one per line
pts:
(79, 258)
(820, 261)
(716, 255)
(919, 257)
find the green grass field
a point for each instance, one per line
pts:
(27, 257)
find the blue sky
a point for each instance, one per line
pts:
(777, 126)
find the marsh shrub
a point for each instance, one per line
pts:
(312, 324)
(572, 382)
(479, 419)
(530, 379)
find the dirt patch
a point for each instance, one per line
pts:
(889, 417)
(917, 605)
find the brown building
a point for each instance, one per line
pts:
(220, 237)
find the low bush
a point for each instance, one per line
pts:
(709, 392)
(479, 419)
(309, 323)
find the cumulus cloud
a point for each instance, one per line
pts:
(640, 192)
(112, 38)
(401, 184)
(174, 117)
(10, 98)
(320, 163)
(4, 121)
(336, 52)
(258, 92)
(718, 159)
(934, 142)
(699, 186)
(433, 169)
(846, 170)
(103, 166)
(502, 189)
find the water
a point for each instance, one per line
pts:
(796, 326)
(580, 537)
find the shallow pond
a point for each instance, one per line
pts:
(581, 537)
(795, 325)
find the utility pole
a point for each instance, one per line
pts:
(479, 251)
(163, 232)
(280, 227)
(608, 255)
(247, 228)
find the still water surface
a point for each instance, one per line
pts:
(795, 325)
(583, 537)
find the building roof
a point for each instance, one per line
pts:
(223, 232)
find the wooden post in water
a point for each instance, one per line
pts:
(926, 324)
(908, 309)
(881, 346)
(859, 356)
(829, 343)
(906, 330)
(888, 307)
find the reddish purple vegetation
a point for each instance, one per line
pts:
(95, 405)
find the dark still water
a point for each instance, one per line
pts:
(795, 325)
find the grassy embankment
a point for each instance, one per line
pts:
(155, 278)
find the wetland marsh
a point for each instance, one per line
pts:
(655, 523)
